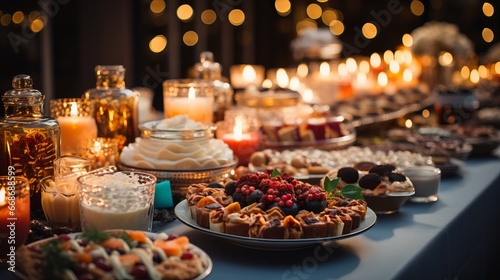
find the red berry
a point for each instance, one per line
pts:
(187, 255)
(288, 203)
(270, 197)
(281, 203)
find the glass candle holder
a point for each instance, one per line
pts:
(60, 202)
(101, 151)
(241, 135)
(191, 97)
(119, 200)
(14, 216)
(74, 116)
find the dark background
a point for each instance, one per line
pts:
(80, 34)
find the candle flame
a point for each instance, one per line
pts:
(281, 78)
(97, 147)
(307, 95)
(249, 74)
(382, 79)
(267, 83)
(324, 69)
(74, 109)
(361, 78)
(3, 201)
(375, 60)
(351, 64)
(407, 75)
(342, 70)
(302, 70)
(238, 128)
(394, 67)
(191, 93)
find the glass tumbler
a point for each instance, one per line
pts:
(119, 200)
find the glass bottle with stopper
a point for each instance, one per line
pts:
(209, 70)
(116, 107)
(29, 141)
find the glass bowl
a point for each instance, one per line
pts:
(388, 203)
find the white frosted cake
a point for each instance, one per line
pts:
(176, 143)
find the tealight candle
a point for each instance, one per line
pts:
(76, 123)
(103, 152)
(194, 98)
(245, 75)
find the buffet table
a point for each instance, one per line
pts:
(453, 238)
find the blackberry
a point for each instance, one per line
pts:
(254, 196)
(393, 177)
(370, 181)
(348, 174)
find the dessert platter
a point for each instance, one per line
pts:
(182, 212)
(113, 254)
(273, 212)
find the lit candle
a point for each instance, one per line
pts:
(198, 108)
(102, 152)
(323, 86)
(14, 214)
(243, 144)
(75, 130)
(245, 75)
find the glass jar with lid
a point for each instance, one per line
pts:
(116, 107)
(29, 141)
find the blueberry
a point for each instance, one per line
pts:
(292, 210)
(255, 196)
(239, 197)
(215, 185)
(230, 188)
(348, 174)
(316, 206)
(370, 181)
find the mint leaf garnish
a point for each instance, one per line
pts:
(331, 185)
(352, 191)
(275, 173)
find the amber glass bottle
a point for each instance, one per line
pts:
(116, 111)
(29, 141)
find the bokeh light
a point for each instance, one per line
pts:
(314, 11)
(18, 17)
(417, 7)
(158, 43)
(488, 9)
(407, 40)
(336, 27)
(369, 30)
(283, 7)
(190, 38)
(488, 35)
(157, 6)
(184, 12)
(236, 17)
(208, 16)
